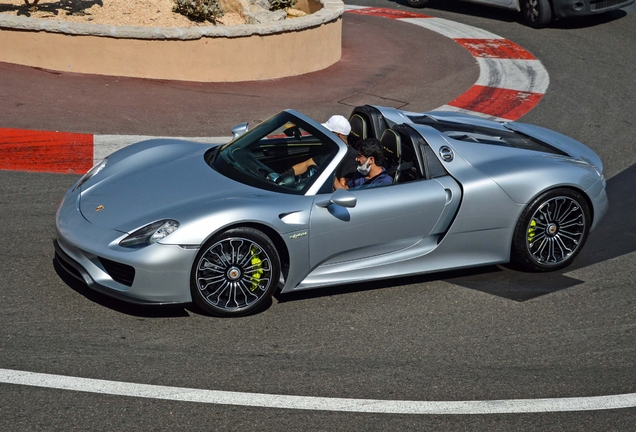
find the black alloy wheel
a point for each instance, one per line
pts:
(235, 273)
(551, 230)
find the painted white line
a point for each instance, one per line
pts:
(182, 394)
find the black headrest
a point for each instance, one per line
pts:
(359, 129)
(372, 118)
(392, 147)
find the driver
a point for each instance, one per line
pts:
(347, 168)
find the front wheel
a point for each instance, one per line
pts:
(417, 3)
(536, 13)
(551, 230)
(235, 273)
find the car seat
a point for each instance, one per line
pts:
(358, 129)
(366, 121)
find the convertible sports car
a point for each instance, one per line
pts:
(170, 221)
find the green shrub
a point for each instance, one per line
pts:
(281, 4)
(198, 10)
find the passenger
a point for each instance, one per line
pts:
(370, 172)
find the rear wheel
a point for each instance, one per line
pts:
(551, 230)
(235, 273)
(536, 13)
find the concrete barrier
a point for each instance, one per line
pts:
(207, 54)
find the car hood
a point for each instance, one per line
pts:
(160, 182)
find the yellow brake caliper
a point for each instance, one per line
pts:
(257, 264)
(532, 231)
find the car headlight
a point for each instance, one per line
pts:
(150, 234)
(91, 172)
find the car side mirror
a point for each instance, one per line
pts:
(239, 130)
(341, 197)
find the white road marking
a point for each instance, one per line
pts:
(452, 29)
(181, 394)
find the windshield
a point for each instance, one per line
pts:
(264, 156)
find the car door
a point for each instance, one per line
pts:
(383, 220)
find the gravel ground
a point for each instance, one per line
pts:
(150, 13)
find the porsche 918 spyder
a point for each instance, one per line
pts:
(169, 221)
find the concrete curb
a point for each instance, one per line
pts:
(207, 53)
(510, 84)
(332, 10)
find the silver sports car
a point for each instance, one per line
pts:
(170, 221)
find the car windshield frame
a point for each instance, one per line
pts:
(260, 156)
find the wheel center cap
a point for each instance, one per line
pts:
(552, 229)
(234, 273)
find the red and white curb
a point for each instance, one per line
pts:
(64, 152)
(511, 80)
(511, 83)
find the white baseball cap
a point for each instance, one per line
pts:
(338, 124)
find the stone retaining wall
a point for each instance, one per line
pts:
(208, 53)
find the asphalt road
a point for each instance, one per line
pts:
(492, 333)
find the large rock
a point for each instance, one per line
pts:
(265, 17)
(253, 11)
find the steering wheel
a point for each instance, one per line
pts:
(311, 171)
(303, 179)
(286, 179)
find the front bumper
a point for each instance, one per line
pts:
(77, 271)
(156, 274)
(150, 286)
(573, 8)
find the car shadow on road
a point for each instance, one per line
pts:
(615, 236)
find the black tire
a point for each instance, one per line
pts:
(417, 3)
(235, 273)
(536, 13)
(551, 230)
